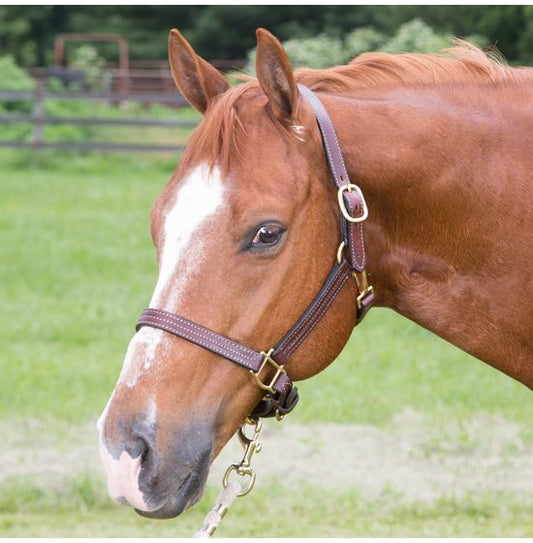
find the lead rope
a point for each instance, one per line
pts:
(233, 489)
(221, 507)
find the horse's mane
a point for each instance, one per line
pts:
(462, 63)
(220, 136)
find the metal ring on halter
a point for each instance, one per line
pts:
(339, 252)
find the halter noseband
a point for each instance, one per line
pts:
(268, 367)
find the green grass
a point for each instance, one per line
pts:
(78, 266)
(77, 261)
(81, 509)
(391, 362)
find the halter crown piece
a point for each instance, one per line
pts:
(268, 367)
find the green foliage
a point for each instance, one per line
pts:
(69, 132)
(324, 51)
(14, 78)
(321, 51)
(416, 36)
(361, 40)
(18, 80)
(227, 31)
(92, 65)
(525, 42)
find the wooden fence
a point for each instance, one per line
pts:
(38, 119)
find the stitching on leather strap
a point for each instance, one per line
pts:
(352, 234)
(223, 347)
(312, 316)
(319, 316)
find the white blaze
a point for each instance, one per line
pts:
(200, 195)
(140, 354)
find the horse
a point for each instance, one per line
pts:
(247, 230)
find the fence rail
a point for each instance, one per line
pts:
(90, 146)
(34, 119)
(107, 96)
(38, 119)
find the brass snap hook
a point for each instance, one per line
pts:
(251, 446)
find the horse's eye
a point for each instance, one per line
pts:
(266, 236)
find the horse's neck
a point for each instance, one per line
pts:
(450, 230)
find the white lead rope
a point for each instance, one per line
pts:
(221, 507)
(233, 489)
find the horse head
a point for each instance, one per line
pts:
(246, 231)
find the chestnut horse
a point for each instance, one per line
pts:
(247, 229)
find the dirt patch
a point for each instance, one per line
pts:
(47, 453)
(410, 457)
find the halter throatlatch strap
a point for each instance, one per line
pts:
(352, 204)
(268, 367)
(351, 200)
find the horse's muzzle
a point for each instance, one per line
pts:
(184, 496)
(158, 473)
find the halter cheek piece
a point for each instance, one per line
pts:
(268, 368)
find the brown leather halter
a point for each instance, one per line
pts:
(268, 367)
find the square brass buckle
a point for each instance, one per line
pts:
(267, 359)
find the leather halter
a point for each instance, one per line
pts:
(268, 367)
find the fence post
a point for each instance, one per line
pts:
(38, 114)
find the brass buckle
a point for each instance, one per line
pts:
(364, 289)
(349, 187)
(361, 279)
(267, 359)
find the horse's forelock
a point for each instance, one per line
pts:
(221, 135)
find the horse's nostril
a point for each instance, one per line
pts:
(142, 443)
(138, 448)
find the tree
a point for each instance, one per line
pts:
(227, 31)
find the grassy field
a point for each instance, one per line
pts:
(78, 266)
(313, 513)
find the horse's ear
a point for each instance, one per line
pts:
(196, 79)
(275, 75)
